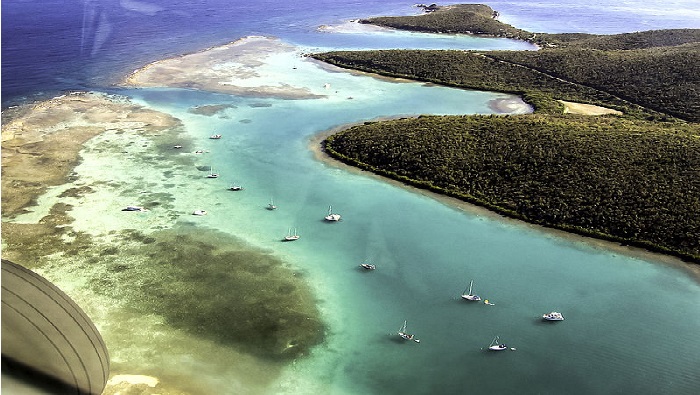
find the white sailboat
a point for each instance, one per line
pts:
(467, 295)
(212, 174)
(496, 345)
(271, 206)
(332, 217)
(405, 335)
(290, 236)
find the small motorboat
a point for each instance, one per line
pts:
(215, 136)
(496, 345)
(199, 212)
(177, 146)
(134, 208)
(235, 188)
(553, 316)
(367, 266)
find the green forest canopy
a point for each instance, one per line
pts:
(613, 178)
(634, 179)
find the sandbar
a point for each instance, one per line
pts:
(586, 109)
(41, 141)
(511, 105)
(233, 68)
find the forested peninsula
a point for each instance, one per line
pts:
(632, 178)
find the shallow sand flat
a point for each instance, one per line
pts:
(513, 105)
(81, 158)
(40, 146)
(234, 68)
(586, 109)
(353, 27)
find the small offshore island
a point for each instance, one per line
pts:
(632, 177)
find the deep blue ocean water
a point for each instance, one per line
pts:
(54, 45)
(631, 323)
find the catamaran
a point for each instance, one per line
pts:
(332, 217)
(405, 335)
(467, 295)
(553, 316)
(496, 345)
(290, 236)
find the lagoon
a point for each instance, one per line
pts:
(631, 322)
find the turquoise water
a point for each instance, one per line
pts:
(630, 324)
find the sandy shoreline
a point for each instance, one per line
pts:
(316, 148)
(586, 109)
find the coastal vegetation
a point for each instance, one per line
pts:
(613, 178)
(652, 83)
(480, 19)
(471, 70)
(662, 79)
(458, 18)
(633, 178)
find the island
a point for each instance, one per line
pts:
(631, 176)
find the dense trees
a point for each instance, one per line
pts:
(658, 69)
(475, 71)
(609, 177)
(640, 82)
(665, 79)
(459, 18)
(624, 41)
(633, 179)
